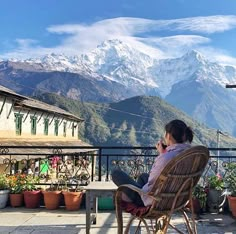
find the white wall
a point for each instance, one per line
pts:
(8, 129)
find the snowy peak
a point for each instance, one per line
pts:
(120, 62)
(194, 56)
(114, 50)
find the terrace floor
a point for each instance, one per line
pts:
(35, 221)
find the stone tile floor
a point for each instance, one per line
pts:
(35, 221)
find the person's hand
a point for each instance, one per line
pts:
(159, 147)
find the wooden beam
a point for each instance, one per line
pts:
(13, 102)
(4, 101)
(70, 124)
(40, 117)
(52, 119)
(61, 121)
(26, 116)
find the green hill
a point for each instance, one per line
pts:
(137, 121)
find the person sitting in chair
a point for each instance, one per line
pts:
(178, 137)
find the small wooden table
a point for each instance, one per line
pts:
(93, 191)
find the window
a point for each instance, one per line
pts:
(64, 129)
(18, 121)
(33, 124)
(56, 126)
(46, 123)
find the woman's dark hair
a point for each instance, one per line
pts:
(179, 131)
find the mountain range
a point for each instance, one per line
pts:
(134, 121)
(115, 71)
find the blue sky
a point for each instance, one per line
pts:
(162, 28)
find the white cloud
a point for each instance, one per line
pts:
(216, 55)
(208, 24)
(141, 33)
(174, 46)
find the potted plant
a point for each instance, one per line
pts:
(215, 195)
(52, 197)
(16, 185)
(199, 198)
(72, 196)
(230, 182)
(32, 195)
(4, 190)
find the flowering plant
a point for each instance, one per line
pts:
(54, 161)
(16, 183)
(216, 182)
(3, 182)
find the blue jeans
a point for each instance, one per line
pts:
(119, 177)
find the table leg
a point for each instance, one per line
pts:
(95, 208)
(88, 211)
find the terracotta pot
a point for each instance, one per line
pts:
(196, 206)
(51, 199)
(16, 199)
(232, 204)
(32, 199)
(72, 200)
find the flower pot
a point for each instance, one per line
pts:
(232, 204)
(215, 200)
(32, 199)
(16, 199)
(196, 206)
(3, 198)
(51, 199)
(72, 200)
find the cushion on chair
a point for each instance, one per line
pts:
(133, 209)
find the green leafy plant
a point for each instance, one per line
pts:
(215, 182)
(69, 185)
(30, 182)
(3, 182)
(230, 178)
(200, 194)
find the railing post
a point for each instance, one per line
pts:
(93, 167)
(107, 173)
(100, 164)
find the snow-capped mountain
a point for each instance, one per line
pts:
(115, 70)
(119, 62)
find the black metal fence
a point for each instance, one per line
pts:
(79, 165)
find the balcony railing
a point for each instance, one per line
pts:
(79, 165)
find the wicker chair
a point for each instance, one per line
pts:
(171, 192)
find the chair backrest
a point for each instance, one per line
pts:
(173, 187)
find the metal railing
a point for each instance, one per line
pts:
(83, 164)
